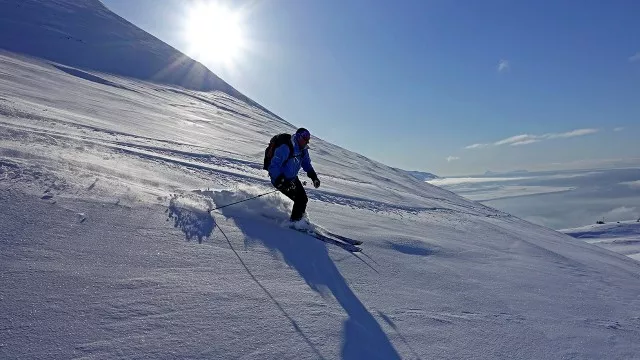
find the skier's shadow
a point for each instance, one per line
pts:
(363, 336)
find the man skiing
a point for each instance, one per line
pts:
(283, 170)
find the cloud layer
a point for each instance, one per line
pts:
(530, 139)
(632, 184)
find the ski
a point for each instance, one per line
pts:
(345, 239)
(327, 236)
(329, 240)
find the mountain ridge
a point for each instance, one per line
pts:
(87, 35)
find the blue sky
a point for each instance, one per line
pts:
(449, 87)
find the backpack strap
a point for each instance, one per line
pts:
(285, 139)
(291, 151)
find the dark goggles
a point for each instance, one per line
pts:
(304, 135)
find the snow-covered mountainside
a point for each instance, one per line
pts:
(108, 248)
(622, 237)
(421, 175)
(86, 35)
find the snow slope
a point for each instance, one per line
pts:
(622, 237)
(85, 34)
(107, 248)
(424, 176)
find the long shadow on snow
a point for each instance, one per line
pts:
(363, 336)
(89, 77)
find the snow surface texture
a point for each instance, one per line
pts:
(108, 248)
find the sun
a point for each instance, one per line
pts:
(214, 33)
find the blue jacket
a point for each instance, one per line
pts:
(281, 164)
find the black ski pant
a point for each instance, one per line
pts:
(299, 197)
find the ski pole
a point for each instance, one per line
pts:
(237, 202)
(304, 183)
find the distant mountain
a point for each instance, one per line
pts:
(420, 175)
(85, 34)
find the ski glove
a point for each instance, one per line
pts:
(314, 177)
(289, 186)
(283, 185)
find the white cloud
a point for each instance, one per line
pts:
(504, 65)
(632, 184)
(635, 57)
(515, 140)
(525, 142)
(618, 129)
(476, 146)
(452, 158)
(579, 132)
(621, 212)
(471, 180)
(526, 139)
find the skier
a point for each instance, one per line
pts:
(283, 169)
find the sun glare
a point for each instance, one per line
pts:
(214, 33)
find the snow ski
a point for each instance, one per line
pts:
(330, 240)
